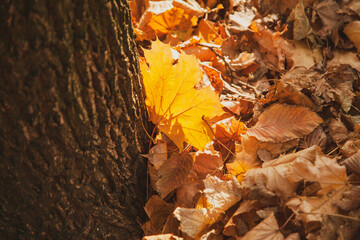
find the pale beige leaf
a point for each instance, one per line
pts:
(193, 221)
(173, 172)
(162, 237)
(280, 123)
(282, 175)
(222, 194)
(158, 154)
(293, 236)
(266, 230)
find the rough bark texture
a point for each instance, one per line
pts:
(71, 107)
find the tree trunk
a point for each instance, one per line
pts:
(71, 107)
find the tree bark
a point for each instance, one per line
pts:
(71, 107)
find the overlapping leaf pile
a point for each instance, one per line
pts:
(256, 107)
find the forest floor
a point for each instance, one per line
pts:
(256, 106)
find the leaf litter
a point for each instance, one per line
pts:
(256, 113)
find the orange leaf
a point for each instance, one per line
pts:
(174, 105)
(281, 123)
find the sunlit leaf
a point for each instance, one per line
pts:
(174, 105)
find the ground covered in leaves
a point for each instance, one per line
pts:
(256, 108)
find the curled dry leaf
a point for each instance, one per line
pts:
(311, 209)
(280, 123)
(351, 199)
(158, 211)
(174, 105)
(302, 28)
(287, 93)
(338, 131)
(245, 158)
(173, 172)
(221, 195)
(352, 30)
(266, 230)
(282, 175)
(353, 163)
(207, 162)
(231, 227)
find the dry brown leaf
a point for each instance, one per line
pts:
(189, 192)
(220, 196)
(227, 133)
(316, 137)
(287, 93)
(282, 175)
(173, 172)
(232, 226)
(311, 209)
(158, 154)
(276, 50)
(207, 162)
(353, 163)
(328, 13)
(266, 230)
(158, 211)
(302, 28)
(352, 30)
(351, 199)
(280, 123)
(338, 131)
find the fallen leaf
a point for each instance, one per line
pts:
(280, 123)
(220, 196)
(351, 199)
(173, 172)
(193, 221)
(158, 154)
(207, 162)
(266, 230)
(245, 158)
(353, 163)
(287, 93)
(302, 28)
(158, 211)
(338, 131)
(352, 30)
(174, 105)
(162, 237)
(232, 226)
(281, 176)
(165, 17)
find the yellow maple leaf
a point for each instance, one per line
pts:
(173, 103)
